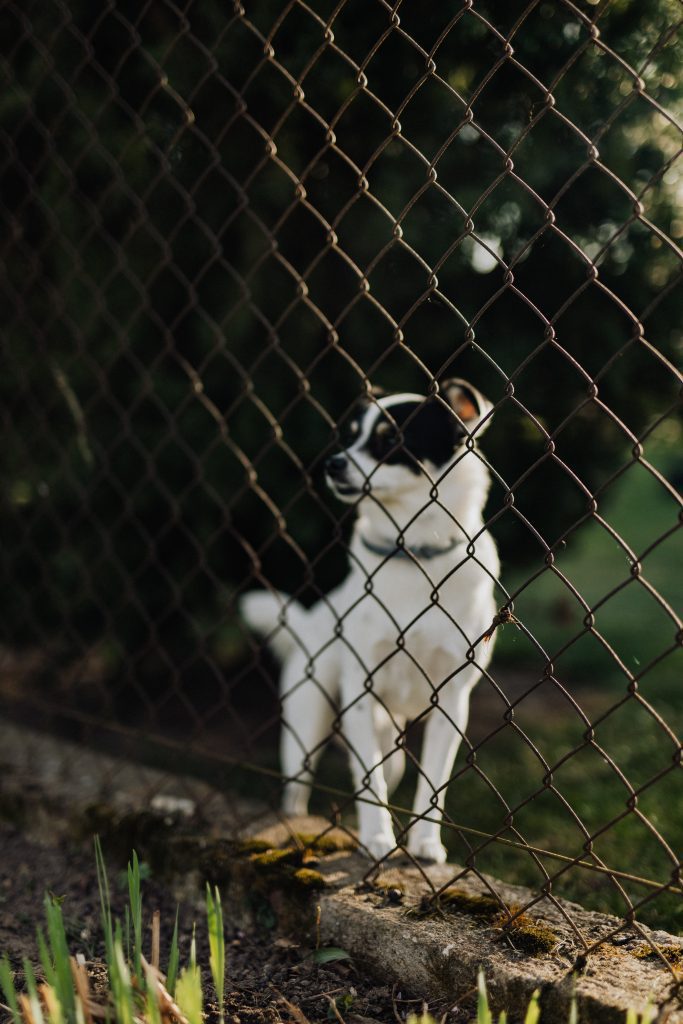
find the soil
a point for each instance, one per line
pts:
(270, 979)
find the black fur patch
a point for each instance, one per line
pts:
(409, 433)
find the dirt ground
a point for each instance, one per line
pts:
(269, 979)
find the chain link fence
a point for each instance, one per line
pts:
(221, 229)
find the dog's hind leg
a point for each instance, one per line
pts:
(307, 715)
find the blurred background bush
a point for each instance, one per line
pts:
(170, 387)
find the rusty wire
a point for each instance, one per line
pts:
(60, 345)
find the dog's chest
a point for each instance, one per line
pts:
(410, 642)
(409, 674)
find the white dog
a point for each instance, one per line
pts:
(400, 635)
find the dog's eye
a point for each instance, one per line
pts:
(386, 437)
(350, 432)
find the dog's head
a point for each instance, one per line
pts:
(397, 441)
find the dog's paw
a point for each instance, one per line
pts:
(379, 845)
(427, 849)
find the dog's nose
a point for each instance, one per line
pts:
(336, 465)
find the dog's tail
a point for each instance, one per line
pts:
(276, 617)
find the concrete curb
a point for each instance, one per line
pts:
(440, 956)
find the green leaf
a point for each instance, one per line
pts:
(328, 954)
(342, 1003)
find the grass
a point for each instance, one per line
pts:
(546, 777)
(214, 914)
(533, 1013)
(138, 992)
(646, 516)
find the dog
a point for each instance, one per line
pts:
(404, 633)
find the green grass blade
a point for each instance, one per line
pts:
(46, 959)
(173, 959)
(483, 1012)
(121, 983)
(53, 1006)
(533, 1012)
(189, 994)
(136, 912)
(126, 930)
(63, 983)
(32, 991)
(573, 1011)
(10, 992)
(214, 914)
(105, 901)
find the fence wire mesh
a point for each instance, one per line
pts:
(222, 228)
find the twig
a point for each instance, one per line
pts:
(393, 1003)
(167, 1004)
(322, 995)
(298, 1014)
(47, 994)
(82, 986)
(26, 1011)
(335, 1010)
(156, 938)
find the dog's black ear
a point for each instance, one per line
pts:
(468, 404)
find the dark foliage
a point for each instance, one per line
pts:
(191, 309)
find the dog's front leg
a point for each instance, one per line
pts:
(358, 725)
(442, 736)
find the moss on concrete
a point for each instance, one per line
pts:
(308, 880)
(272, 860)
(248, 846)
(672, 954)
(525, 932)
(531, 936)
(328, 842)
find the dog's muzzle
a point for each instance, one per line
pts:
(336, 467)
(337, 472)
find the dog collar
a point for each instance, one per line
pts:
(423, 551)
